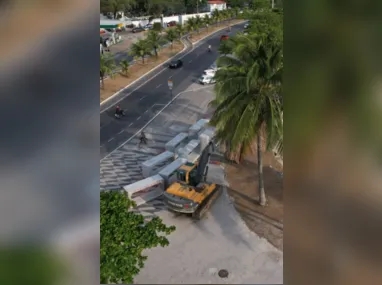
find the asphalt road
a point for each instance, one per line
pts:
(144, 102)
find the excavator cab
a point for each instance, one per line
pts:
(188, 174)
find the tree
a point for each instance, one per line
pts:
(236, 3)
(124, 66)
(225, 47)
(107, 67)
(171, 36)
(180, 30)
(207, 21)
(140, 49)
(155, 41)
(157, 27)
(198, 22)
(115, 6)
(190, 25)
(247, 102)
(216, 16)
(124, 236)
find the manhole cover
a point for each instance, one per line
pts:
(223, 273)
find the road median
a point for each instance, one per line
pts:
(138, 70)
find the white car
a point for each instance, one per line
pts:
(207, 79)
(210, 72)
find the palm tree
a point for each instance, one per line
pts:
(140, 49)
(190, 25)
(155, 41)
(198, 23)
(225, 47)
(106, 68)
(216, 16)
(207, 21)
(236, 12)
(247, 100)
(171, 36)
(180, 30)
(124, 66)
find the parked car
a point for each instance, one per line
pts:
(207, 79)
(176, 64)
(171, 24)
(224, 37)
(148, 27)
(137, 29)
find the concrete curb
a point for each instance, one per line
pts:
(150, 71)
(185, 38)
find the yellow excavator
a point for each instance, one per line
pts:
(190, 194)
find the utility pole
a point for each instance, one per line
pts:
(273, 4)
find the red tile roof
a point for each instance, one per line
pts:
(216, 2)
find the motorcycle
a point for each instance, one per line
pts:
(119, 114)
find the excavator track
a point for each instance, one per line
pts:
(203, 208)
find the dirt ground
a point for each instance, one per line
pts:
(137, 70)
(265, 221)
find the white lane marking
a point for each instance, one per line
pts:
(190, 61)
(193, 47)
(152, 119)
(159, 85)
(130, 124)
(121, 132)
(142, 98)
(146, 111)
(110, 140)
(138, 118)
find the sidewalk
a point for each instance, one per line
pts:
(122, 167)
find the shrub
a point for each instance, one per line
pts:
(157, 27)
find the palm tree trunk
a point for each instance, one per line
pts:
(102, 83)
(143, 59)
(262, 198)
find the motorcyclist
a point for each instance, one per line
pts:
(209, 47)
(118, 111)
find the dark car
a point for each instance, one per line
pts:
(137, 29)
(148, 27)
(176, 63)
(171, 24)
(224, 37)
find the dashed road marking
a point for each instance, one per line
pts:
(138, 118)
(159, 85)
(110, 140)
(130, 124)
(142, 98)
(146, 111)
(121, 132)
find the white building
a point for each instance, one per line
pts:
(216, 5)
